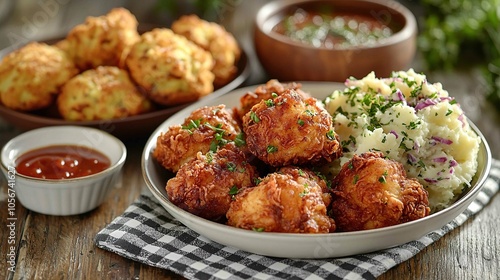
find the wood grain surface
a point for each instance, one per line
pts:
(50, 247)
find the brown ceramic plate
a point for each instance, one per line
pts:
(125, 128)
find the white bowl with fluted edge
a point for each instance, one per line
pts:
(62, 197)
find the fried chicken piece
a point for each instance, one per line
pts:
(205, 129)
(172, 69)
(103, 40)
(213, 38)
(265, 92)
(106, 92)
(374, 192)
(291, 200)
(291, 130)
(31, 76)
(206, 185)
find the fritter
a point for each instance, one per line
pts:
(205, 129)
(172, 69)
(103, 40)
(374, 192)
(290, 129)
(104, 93)
(31, 76)
(264, 92)
(213, 38)
(206, 185)
(291, 200)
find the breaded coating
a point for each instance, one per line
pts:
(291, 130)
(205, 129)
(103, 40)
(104, 93)
(264, 92)
(213, 38)
(206, 185)
(31, 76)
(172, 69)
(292, 200)
(374, 192)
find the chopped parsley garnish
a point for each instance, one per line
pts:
(233, 191)
(231, 166)
(239, 141)
(254, 117)
(382, 179)
(356, 179)
(272, 149)
(257, 181)
(310, 113)
(210, 157)
(300, 122)
(193, 124)
(305, 191)
(269, 103)
(330, 135)
(301, 173)
(258, 229)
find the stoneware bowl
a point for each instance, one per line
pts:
(62, 196)
(290, 60)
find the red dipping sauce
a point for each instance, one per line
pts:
(61, 162)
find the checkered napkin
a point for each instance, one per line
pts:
(146, 233)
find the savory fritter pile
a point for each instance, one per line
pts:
(31, 76)
(289, 129)
(172, 69)
(158, 68)
(373, 192)
(99, 94)
(290, 200)
(206, 185)
(283, 142)
(103, 40)
(265, 92)
(213, 38)
(206, 129)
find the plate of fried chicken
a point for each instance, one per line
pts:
(258, 169)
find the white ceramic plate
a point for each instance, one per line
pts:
(301, 245)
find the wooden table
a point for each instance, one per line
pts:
(50, 247)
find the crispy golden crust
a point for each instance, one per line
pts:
(291, 200)
(32, 75)
(215, 39)
(291, 130)
(207, 128)
(206, 185)
(101, 94)
(103, 40)
(264, 92)
(171, 68)
(373, 192)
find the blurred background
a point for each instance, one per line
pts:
(458, 35)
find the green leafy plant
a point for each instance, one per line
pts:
(454, 27)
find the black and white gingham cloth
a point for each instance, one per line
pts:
(146, 233)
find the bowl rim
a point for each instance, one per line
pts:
(408, 30)
(111, 169)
